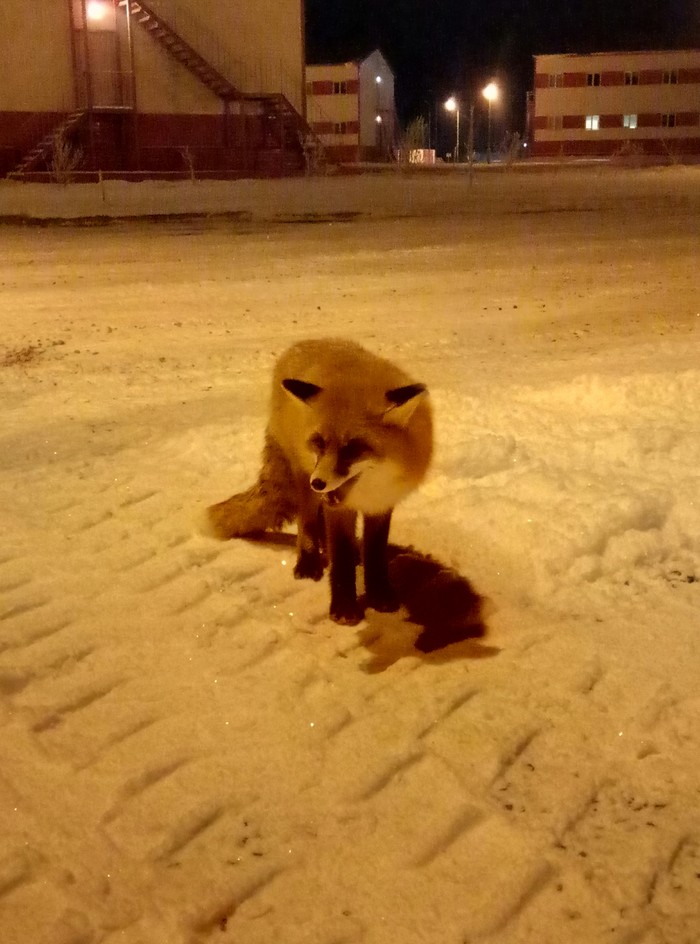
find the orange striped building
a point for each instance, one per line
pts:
(350, 106)
(645, 103)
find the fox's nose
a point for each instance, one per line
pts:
(318, 485)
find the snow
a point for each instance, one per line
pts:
(191, 751)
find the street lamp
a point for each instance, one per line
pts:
(490, 93)
(453, 105)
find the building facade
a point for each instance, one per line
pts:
(350, 106)
(603, 104)
(193, 86)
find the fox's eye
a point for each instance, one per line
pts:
(355, 449)
(317, 442)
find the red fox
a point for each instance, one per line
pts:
(348, 433)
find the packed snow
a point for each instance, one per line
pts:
(191, 751)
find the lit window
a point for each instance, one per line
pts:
(629, 121)
(592, 122)
(593, 78)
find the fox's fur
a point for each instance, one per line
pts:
(349, 433)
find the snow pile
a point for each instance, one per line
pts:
(592, 479)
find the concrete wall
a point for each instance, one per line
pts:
(37, 72)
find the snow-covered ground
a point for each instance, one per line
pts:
(190, 751)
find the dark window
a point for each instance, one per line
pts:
(668, 121)
(631, 78)
(670, 77)
(593, 78)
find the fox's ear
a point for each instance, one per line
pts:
(404, 401)
(301, 389)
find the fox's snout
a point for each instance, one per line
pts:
(323, 480)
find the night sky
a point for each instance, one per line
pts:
(440, 47)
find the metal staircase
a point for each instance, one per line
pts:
(181, 50)
(289, 132)
(294, 135)
(45, 146)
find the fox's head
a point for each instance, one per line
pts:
(352, 445)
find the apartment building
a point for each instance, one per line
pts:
(602, 104)
(350, 106)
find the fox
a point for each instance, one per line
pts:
(349, 435)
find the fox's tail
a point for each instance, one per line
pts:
(266, 506)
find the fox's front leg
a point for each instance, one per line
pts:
(342, 551)
(310, 562)
(379, 593)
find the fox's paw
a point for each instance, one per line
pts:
(347, 614)
(384, 601)
(309, 565)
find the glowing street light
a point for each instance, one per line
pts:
(490, 93)
(452, 105)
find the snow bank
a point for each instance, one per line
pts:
(390, 193)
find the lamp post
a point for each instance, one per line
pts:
(453, 105)
(490, 93)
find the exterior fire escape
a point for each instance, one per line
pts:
(104, 125)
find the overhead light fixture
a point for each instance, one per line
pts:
(96, 10)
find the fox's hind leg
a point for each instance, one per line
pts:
(379, 593)
(310, 560)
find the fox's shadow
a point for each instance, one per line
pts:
(442, 617)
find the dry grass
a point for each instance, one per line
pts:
(21, 356)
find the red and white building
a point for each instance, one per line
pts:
(350, 106)
(154, 86)
(616, 103)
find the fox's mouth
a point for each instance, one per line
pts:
(338, 495)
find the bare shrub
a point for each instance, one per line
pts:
(65, 158)
(414, 137)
